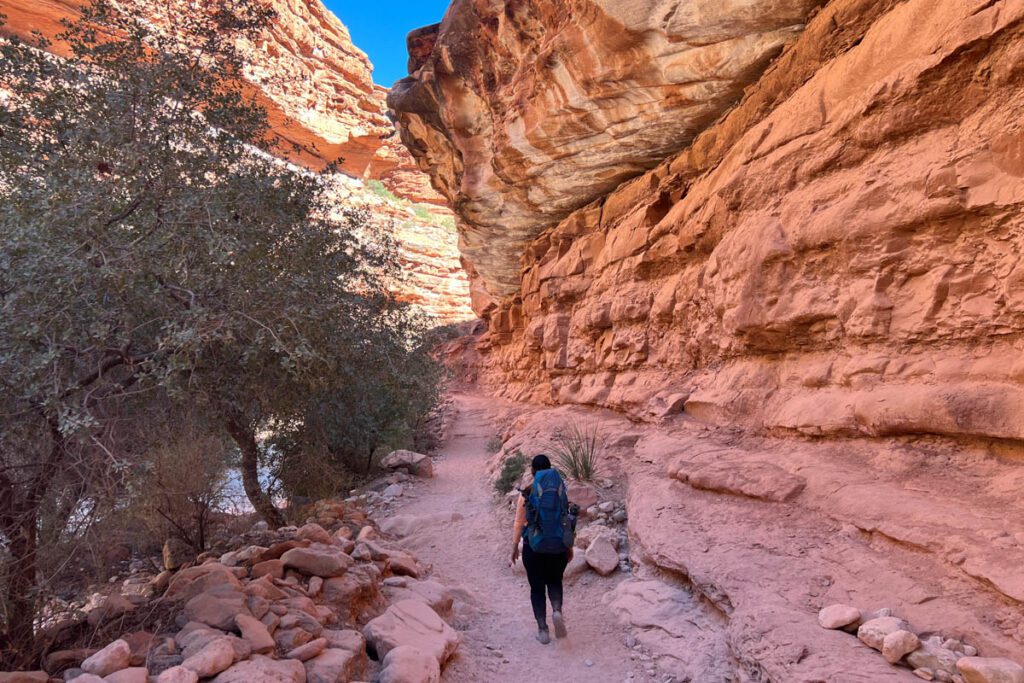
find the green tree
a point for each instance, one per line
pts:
(154, 254)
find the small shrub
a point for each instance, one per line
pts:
(577, 448)
(421, 212)
(494, 444)
(377, 187)
(511, 470)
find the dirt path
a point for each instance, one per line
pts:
(492, 606)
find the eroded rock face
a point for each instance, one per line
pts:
(522, 112)
(837, 256)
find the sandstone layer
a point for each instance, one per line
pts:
(525, 111)
(838, 256)
(320, 96)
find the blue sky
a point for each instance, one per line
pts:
(378, 28)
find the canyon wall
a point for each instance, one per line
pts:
(838, 253)
(791, 310)
(322, 102)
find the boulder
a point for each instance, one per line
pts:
(216, 656)
(178, 674)
(347, 639)
(406, 664)
(838, 616)
(873, 632)
(761, 480)
(217, 607)
(432, 593)
(333, 665)
(190, 582)
(309, 650)
(932, 656)
(354, 593)
(414, 623)
(990, 670)
(176, 553)
(134, 674)
(318, 560)
(582, 494)
(417, 464)
(24, 677)
(114, 606)
(577, 565)
(602, 556)
(314, 533)
(113, 657)
(272, 568)
(898, 645)
(264, 670)
(256, 632)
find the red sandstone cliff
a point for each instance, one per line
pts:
(320, 96)
(802, 262)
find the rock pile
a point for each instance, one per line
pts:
(304, 605)
(932, 657)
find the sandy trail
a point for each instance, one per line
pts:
(492, 607)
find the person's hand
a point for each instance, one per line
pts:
(515, 555)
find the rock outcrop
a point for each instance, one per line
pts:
(322, 102)
(838, 255)
(523, 112)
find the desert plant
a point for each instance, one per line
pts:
(494, 444)
(577, 449)
(511, 470)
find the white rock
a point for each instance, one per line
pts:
(898, 645)
(113, 657)
(838, 616)
(990, 670)
(873, 632)
(602, 557)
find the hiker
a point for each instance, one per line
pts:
(545, 523)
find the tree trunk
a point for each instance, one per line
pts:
(261, 502)
(21, 585)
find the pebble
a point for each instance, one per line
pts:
(606, 506)
(631, 641)
(589, 662)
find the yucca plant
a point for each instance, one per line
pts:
(577, 448)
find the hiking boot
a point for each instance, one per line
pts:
(543, 636)
(556, 618)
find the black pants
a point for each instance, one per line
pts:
(544, 572)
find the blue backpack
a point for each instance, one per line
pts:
(550, 528)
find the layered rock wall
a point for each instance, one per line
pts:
(837, 255)
(524, 111)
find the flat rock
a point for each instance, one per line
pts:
(414, 623)
(24, 677)
(931, 656)
(406, 664)
(314, 533)
(318, 560)
(838, 616)
(990, 670)
(433, 593)
(264, 670)
(309, 650)
(406, 525)
(133, 674)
